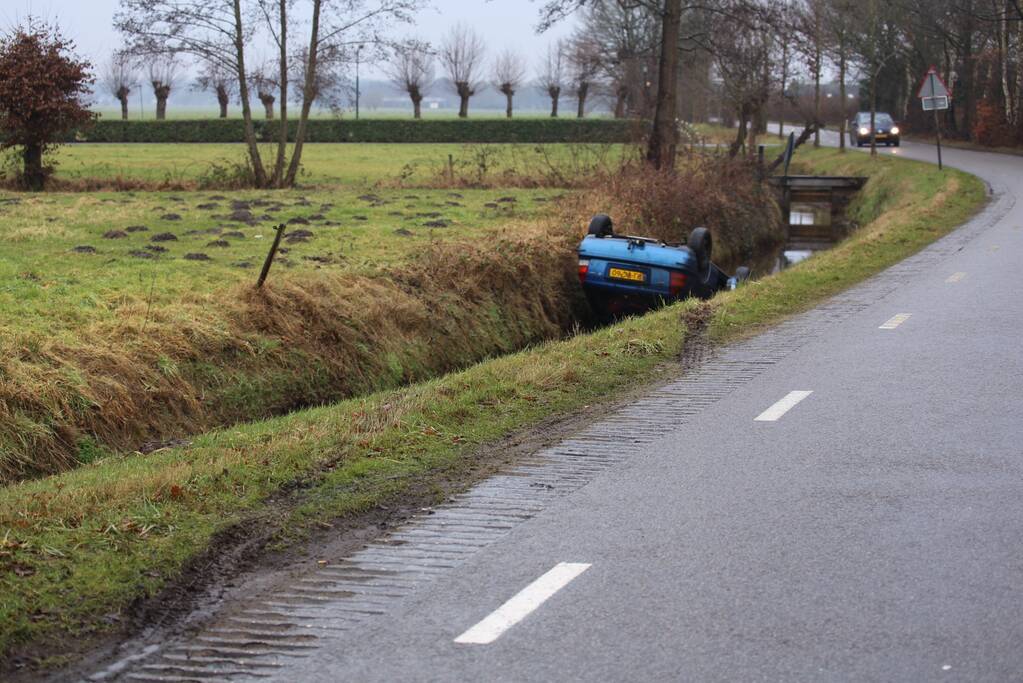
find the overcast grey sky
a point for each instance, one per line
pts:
(503, 23)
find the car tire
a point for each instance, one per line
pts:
(897, 143)
(701, 244)
(601, 226)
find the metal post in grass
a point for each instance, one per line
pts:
(270, 256)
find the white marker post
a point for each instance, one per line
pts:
(934, 96)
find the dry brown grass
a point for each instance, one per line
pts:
(722, 195)
(243, 354)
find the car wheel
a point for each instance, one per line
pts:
(601, 226)
(897, 143)
(701, 244)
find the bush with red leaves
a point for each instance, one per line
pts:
(42, 90)
(990, 127)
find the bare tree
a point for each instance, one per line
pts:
(462, 54)
(509, 72)
(265, 83)
(840, 18)
(876, 42)
(628, 34)
(743, 50)
(163, 72)
(410, 69)
(583, 67)
(119, 78)
(329, 83)
(551, 74)
(218, 80)
(812, 42)
(220, 31)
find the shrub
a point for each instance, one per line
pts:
(370, 130)
(723, 195)
(990, 127)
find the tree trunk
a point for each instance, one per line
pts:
(464, 93)
(282, 137)
(843, 124)
(417, 101)
(581, 94)
(259, 173)
(663, 143)
(222, 100)
(34, 178)
(307, 96)
(1019, 77)
(161, 104)
(873, 111)
(740, 137)
(268, 106)
(508, 94)
(784, 83)
(620, 97)
(1003, 67)
(555, 95)
(818, 58)
(967, 78)
(124, 107)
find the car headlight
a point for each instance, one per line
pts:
(864, 131)
(895, 130)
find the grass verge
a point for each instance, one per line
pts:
(79, 547)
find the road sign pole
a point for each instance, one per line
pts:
(935, 95)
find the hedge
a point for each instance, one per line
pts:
(370, 130)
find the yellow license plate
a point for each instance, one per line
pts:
(630, 275)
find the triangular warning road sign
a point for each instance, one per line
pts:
(933, 85)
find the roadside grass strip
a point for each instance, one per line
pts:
(895, 321)
(525, 602)
(778, 410)
(78, 547)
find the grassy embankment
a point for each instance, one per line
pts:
(86, 543)
(130, 316)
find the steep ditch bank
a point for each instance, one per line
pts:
(150, 376)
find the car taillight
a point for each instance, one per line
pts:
(584, 268)
(677, 283)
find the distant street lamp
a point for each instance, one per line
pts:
(358, 52)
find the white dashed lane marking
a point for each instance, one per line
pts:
(522, 605)
(895, 321)
(783, 406)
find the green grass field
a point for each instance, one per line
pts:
(333, 164)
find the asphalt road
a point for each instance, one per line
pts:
(874, 531)
(868, 527)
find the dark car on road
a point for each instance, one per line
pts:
(886, 132)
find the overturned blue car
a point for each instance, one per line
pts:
(623, 274)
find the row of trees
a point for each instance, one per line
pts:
(568, 67)
(123, 74)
